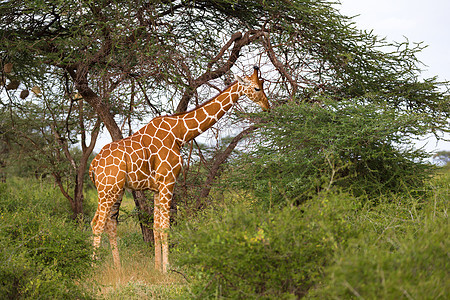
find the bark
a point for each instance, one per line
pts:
(79, 77)
(78, 198)
(76, 202)
(145, 215)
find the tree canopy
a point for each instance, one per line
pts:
(131, 60)
(174, 47)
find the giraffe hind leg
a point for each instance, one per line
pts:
(157, 233)
(99, 222)
(161, 226)
(97, 225)
(111, 230)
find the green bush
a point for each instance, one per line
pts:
(333, 246)
(43, 254)
(399, 251)
(360, 146)
(415, 266)
(251, 253)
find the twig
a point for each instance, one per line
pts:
(175, 271)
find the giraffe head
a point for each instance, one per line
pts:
(253, 88)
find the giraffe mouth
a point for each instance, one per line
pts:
(264, 105)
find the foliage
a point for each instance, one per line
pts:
(251, 253)
(40, 136)
(358, 146)
(128, 56)
(43, 254)
(310, 46)
(333, 246)
(399, 251)
(136, 59)
(31, 147)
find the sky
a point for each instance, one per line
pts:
(418, 21)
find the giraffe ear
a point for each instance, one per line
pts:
(240, 80)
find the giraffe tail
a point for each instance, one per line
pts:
(94, 219)
(91, 170)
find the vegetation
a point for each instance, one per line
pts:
(333, 246)
(324, 197)
(361, 146)
(43, 254)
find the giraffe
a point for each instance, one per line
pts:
(150, 159)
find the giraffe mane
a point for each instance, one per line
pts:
(198, 106)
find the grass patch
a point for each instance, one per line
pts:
(136, 280)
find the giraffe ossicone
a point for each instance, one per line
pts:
(150, 159)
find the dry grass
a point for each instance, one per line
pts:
(137, 279)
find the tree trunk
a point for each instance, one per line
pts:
(145, 215)
(78, 196)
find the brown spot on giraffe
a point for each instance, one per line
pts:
(150, 159)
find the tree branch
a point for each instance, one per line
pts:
(239, 41)
(215, 169)
(61, 188)
(277, 64)
(102, 109)
(63, 144)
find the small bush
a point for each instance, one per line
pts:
(411, 267)
(253, 254)
(399, 251)
(43, 254)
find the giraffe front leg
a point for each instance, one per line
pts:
(165, 248)
(111, 230)
(165, 198)
(156, 232)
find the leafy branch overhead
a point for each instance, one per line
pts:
(175, 47)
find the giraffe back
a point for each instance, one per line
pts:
(140, 161)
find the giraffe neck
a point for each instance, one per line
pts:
(200, 119)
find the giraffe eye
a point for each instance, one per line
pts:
(257, 89)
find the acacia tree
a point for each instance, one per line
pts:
(157, 56)
(44, 128)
